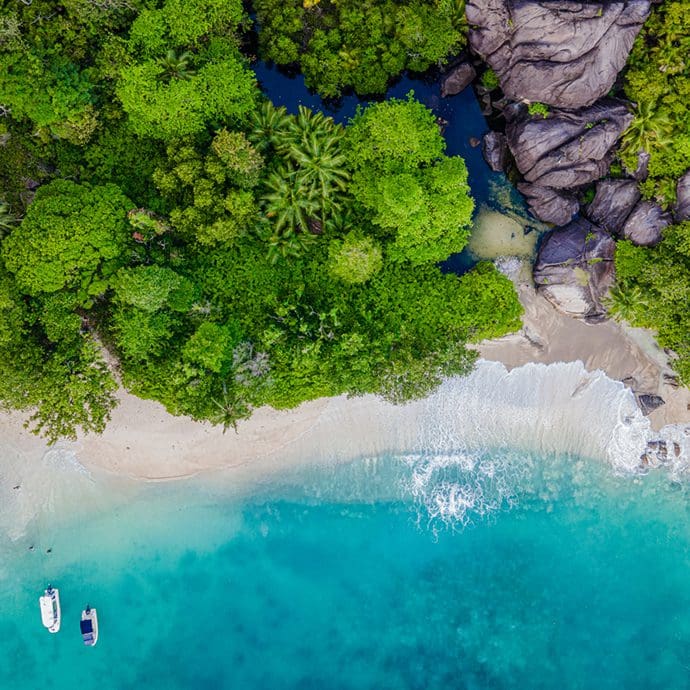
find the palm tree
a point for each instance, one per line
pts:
(308, 122)
(303, 196)
(625, 302)
(320, 162)
(650, 128)
(269, 126)
(321, 166)
(174, 66)
(229, 409)
(289, 202)
(291, 214)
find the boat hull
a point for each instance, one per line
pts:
(89, 627)
(50, 609)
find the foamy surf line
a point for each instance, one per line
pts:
(556, 408)
(533, 410)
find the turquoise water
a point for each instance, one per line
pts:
(565, 576)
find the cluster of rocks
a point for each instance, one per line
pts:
(563, 53)
(659, 453)
(564, 152)
(566, 55)
(617, 207)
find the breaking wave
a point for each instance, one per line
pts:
(484, 439)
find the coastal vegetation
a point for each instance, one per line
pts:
(653, 291)
(658, 82)
(166, 226)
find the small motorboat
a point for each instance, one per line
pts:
(50, 609)
(89, 626)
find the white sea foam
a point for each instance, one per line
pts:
(39, 486)
(480, 436)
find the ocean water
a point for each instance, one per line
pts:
(525, 551)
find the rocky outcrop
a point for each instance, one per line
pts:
(649, 402)
(566, 150)
(658, 453)
(549, 205)
(458, 79)
(495, 150)
(574, 269)
(563, 53)
(681, 211)
(612, 204)
(644, 225)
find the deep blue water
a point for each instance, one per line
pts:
(583, 583)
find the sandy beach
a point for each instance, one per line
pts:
(625, 354)
(143, 441)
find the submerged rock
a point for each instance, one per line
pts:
(574, 269)
(567, 149)
(612, 203)
(563, 53)
(682, 208)
(458, 79)
(495, 150)
(644, 225)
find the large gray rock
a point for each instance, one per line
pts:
(681, 211)
(644, 225)
(574, 269)
(549, 205)
(559, 52)
(458, 79)
(612, 203)
(566, 149)
(495, 150)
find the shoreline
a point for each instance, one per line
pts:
(623, 353)
(143, 442)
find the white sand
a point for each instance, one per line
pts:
(496, 234)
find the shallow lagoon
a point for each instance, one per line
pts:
(335, 577)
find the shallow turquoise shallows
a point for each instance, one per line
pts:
(567, 576)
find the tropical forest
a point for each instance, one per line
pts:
(167, 228)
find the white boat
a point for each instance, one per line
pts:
(50, 609)
(89, 626)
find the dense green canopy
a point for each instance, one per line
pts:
(163, 223)
(653, 287)
(359, 45)
(658, 81)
